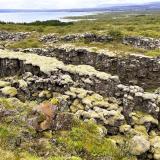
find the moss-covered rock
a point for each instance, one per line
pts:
(9, 91)
(139, 145)
(45, 94)
(4, 84)
(155, 147)
(76, 105)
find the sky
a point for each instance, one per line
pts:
(61, 4)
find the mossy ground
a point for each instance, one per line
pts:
(19, 141)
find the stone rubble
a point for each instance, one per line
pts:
(138, 42)
(7, 36)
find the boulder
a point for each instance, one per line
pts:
(46, 112)
(139, 145)
(9, 91)
(155, 147)
(4, 84)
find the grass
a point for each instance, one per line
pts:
(117, 48)
(114, 24)
(26, 43)
(128, 23)
(153, 53)
(30, 42)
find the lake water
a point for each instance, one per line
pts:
(41, 16)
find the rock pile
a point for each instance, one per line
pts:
(7, 36)
(119, 116)
(89, 37)
(138, 42)
(142, 42)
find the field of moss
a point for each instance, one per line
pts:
(83, 141)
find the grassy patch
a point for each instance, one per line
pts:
(85, 138)
(83, 141)
(153, 53)
(26, 43)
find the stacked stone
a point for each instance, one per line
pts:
(7, 36)
(134, 69)
(142, 42)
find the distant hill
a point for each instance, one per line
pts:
(104, 7)
(146, 6)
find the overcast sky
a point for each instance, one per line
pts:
(60, 4)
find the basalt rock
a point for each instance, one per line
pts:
(7, 36)
(57, 77)
(134, 69)
(142, 42)
(89, 37)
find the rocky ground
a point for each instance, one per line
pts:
(60, 104)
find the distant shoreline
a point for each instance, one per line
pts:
(54, 10)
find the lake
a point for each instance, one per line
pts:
(41, 16)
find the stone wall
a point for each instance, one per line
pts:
(136, 70)
(138, 42)
(132, 98)
(89, 37)
(17, 36)
(59, 79)
(142, 42)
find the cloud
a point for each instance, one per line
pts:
(59, 4)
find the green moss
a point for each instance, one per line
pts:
(84, 141)
(7, 155)
(4, 132)
(9, 91)
(86, 138)
(4, 84)
(65, 158)
(153, 53)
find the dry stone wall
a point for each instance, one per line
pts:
(132, 98)
(8, 36)
(138, 42)
(134, 69)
